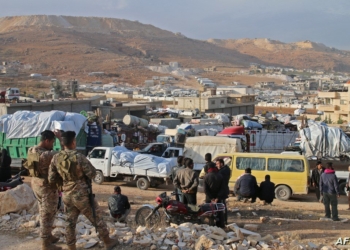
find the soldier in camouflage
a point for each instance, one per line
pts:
(38, 160)
(76, 171)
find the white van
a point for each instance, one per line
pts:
(12, 94)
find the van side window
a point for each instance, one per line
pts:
(249, 162)
(285, 165)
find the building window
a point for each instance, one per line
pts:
(213, 102)
(343, 102)
(222, 101)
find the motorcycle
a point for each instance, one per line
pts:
(12, 182)
(176, 212)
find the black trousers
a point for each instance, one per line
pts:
(221, 218)
(253, 196)
(190, 198)
(318, 195)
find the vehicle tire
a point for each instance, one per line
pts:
(141, 215)
(99, 178)
(283, 193)
(342, 187)
(142, 184)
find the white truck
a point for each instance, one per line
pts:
(196, 148)
(146, 170)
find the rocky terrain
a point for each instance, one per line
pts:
(74, 46)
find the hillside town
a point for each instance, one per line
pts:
(116, 134)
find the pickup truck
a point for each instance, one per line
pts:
(103, 160)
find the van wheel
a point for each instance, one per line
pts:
(342, 186)
(142, 184)
(99, 178)
(283, 193)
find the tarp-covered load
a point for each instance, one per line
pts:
(24, 124)
(131, 162)
(322, 142)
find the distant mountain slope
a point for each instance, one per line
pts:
(77, 45)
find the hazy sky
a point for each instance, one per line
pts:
(321, 21)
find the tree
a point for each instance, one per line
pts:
(340, 121)
(329, 119)
(58, 88)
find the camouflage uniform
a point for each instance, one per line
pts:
(40, 158)
(75, 171)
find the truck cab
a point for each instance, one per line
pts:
(172, 152)
(156, 149)
(12, 94)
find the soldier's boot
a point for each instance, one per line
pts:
(47, 245)
(53, 239)
(72, 247)
(110, 243)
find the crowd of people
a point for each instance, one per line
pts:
(216, 178)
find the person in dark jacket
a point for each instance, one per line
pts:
(5, 166)
(208, 164)
(119, 206)
(180, 165)
(315, 178)
(329, 189)
(225, 172)
(215, 191)
(247, 186)
(267, 190)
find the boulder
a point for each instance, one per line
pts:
(18, 199)
(204, 243)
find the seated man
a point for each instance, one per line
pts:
(267, 190)
(119, 206)
(247, 186)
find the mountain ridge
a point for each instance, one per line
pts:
(75, 45)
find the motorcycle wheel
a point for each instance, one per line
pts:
(208, 220)
(141, 215)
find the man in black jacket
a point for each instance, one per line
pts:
(119, 206)
(315, 178)
(247, 186)
(215, 191)
(225, 172)
(267, 190)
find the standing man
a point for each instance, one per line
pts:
(329, 189)
(38, 161)
(315, 178)
(225, 172)
(215, 191)
(180, 165)
(119, 206)
(187, 181)
(208, 164)
(77, 172)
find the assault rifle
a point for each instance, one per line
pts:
(92, 202)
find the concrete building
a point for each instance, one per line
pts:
(232, 104)
(236, 89)
(265, 85)
(335, 105)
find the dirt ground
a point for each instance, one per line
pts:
(308, 228)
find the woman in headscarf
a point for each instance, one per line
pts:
(5, 166)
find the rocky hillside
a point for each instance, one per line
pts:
(77, 45)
